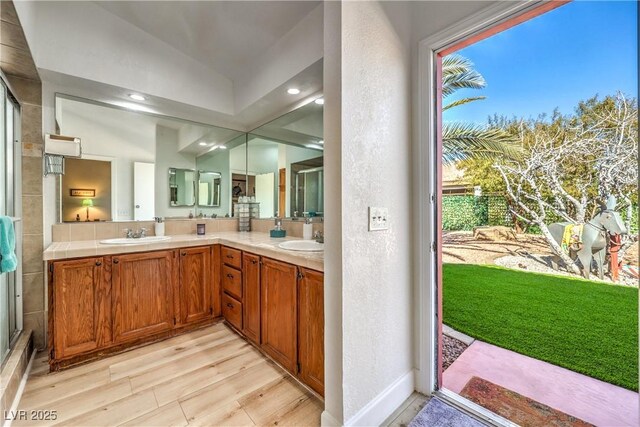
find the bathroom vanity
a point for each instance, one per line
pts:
(108, 298)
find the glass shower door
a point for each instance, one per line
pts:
(9, 114)
(4, 282)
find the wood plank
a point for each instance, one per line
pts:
(263, 403)
(231, 389)
(197, 380)
(40, 391)
(166, 416)
(198, 362)
(222, 381)
(303, 412)
(229, 414)
(136, 365)
(84, 402)
(408, 413)
(117, 412)
(149, 352)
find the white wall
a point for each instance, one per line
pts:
(127, 139)
(333, 414)
(167, 156)
(297, 50)
(376, 162)
(107, 49)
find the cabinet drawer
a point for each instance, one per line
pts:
(232, 281)
(232, 257)
(232, 311)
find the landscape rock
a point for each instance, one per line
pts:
(631, 257)
(495, 233)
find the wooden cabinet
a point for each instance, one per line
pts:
(232, 282)
(251, 291)
(279, 312)
(311, 329)
(232, 311)
(195, 285)
(81, 306)
(104, 304)
(232, 257)
(142, 288)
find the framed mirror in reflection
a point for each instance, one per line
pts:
(209, 188)
(182, 187)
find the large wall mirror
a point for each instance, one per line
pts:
(136, 165)
(285, 167)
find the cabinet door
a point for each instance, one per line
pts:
(251, 292)
(142, 295)
(82, 306)
(311, 329)
(278, 312)
(195, 284)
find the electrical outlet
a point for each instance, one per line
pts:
(378, 219)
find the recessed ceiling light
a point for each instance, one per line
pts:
(137, 97)
(222, 147)
(293, 91)
(319, 101)
(321, 142)
(202, 143)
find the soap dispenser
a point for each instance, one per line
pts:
(307, 229)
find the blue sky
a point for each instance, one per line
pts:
(554, 60)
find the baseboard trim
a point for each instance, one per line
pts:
(328, 420)
(23, 384)
(380, 407)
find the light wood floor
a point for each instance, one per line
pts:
(208, 377)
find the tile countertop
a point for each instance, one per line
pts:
(254, 242)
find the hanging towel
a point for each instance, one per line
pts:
(8, 260)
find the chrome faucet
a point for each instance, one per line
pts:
(319, 237)
(135, 234)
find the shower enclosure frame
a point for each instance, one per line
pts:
(11, 205)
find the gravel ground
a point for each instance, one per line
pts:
(461, 247)
(540, 263)
(451, 350)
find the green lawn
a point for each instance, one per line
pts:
(588, 327)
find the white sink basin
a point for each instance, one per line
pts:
(302, 245)
(140, 241)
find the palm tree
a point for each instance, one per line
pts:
(460, 140)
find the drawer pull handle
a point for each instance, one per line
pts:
(184, 254)
(98, 263)
(230, 256)
(115, 261)
(229, 305)
(230, 276)
(253, 261)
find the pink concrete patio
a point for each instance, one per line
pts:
(591, 400)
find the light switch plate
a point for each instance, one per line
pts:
(378, 219)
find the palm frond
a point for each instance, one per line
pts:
(463, 101)
(462, 141)
(458, 73)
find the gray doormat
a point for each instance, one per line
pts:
(438, 414)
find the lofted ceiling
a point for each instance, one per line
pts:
(226, 36)
(224, 63)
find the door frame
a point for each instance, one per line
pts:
(428, 186)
